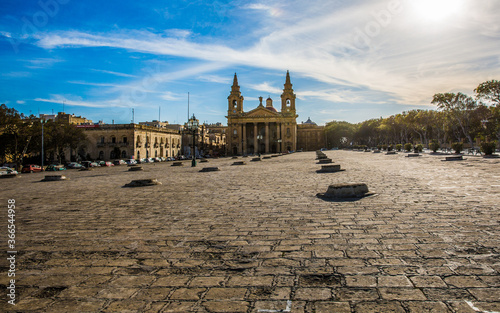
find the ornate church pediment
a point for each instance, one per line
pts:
(261, 111)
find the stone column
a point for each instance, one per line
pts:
(239, 144)
(244, 136)
(294, 142)
(255, 142)
(283, 137)
(267, 137)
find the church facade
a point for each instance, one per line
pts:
(263, 129)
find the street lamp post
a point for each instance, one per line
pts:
(259, 138)
(192, 125)
(43, 122)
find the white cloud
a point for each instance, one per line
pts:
(339, 43)
(114, 73)
(170, 96)
(214, 79)
(266, 87)
(69, 102)
(20, 102)
(41, 63)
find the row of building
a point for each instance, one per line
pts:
(258, 131)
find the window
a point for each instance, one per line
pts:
(288, 102)
(101, 155)
(235, 132)
(235, 104)
(113, 139)
(124, 153)
(138, 138)
(124, 139)
(112, 155)
(288, 131)
(102, 139)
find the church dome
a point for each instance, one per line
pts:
(309, 122)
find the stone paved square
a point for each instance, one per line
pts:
(253, 237)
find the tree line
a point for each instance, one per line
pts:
(21, 136)
(458, 118)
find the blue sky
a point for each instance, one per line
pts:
(348, 60)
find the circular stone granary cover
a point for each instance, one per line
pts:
(54, 178)
(135, 168)
(143, 183)
(348, 191)
(209, 169)
(330, 169)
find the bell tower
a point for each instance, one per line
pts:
(288, 97)
(235, 99)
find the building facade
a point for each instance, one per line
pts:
(263, 129)
(310, 136)
(210, 140)
(131, 141)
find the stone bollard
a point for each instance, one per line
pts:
(239, 163)
(209, 169)
(391, 152)
(266, 157)
(177, 164)
(54, 178)
(325, 161)
(330, 169)
(235, 157)
(345, 191)
(142, 183)
(203, 160)
(413, 155)
(255, 160)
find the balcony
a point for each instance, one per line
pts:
(138, 145)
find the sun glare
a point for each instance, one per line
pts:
(436, 10)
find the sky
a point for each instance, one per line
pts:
(348, 60)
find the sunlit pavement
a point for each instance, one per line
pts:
(255, 238)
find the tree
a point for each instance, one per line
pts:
(339, 134)
(459, 107)
(16, 131)
(489, 90)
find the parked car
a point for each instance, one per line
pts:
(156, 159)
(7, 172)
(31, 168)
(131, 161)
(119, 162)
(55, 167)
(108, 163)
(101, 163)
(88, 164)
(74, 165)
